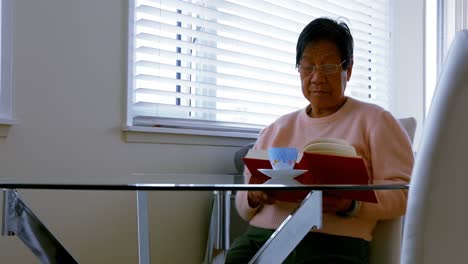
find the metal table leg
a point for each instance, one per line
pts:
(218, 237)
(223, 201)
(143, 228)
(294, 228)
(19, 220)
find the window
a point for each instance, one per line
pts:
(443, 20)
(227, 67)
(431, 60)
(5, 59)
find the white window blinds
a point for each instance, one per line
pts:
(227, 67)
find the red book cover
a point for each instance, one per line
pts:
(321, 169)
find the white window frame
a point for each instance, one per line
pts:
(6, 98)
(450, 17)
(170, 135)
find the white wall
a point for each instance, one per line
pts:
(69, 87)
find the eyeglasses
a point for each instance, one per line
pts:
(325, 68)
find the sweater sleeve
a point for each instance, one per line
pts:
(392, 161)
(242, 204)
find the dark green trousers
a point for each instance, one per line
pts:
(315, 248)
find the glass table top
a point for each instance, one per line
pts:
(170, 182)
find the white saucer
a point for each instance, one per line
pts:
(288, 182)
(282, 174)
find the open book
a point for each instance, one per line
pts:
(321, 169)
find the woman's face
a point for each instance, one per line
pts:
(325, 92)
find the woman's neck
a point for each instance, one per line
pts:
(323, 112)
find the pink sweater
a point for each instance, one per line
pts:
(377, 137)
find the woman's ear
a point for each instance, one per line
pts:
(349, 71)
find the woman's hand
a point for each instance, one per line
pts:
(334, 204)
(257, 198)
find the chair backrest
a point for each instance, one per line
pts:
(387, 235)
(435, 223)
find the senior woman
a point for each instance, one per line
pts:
(325, 62)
